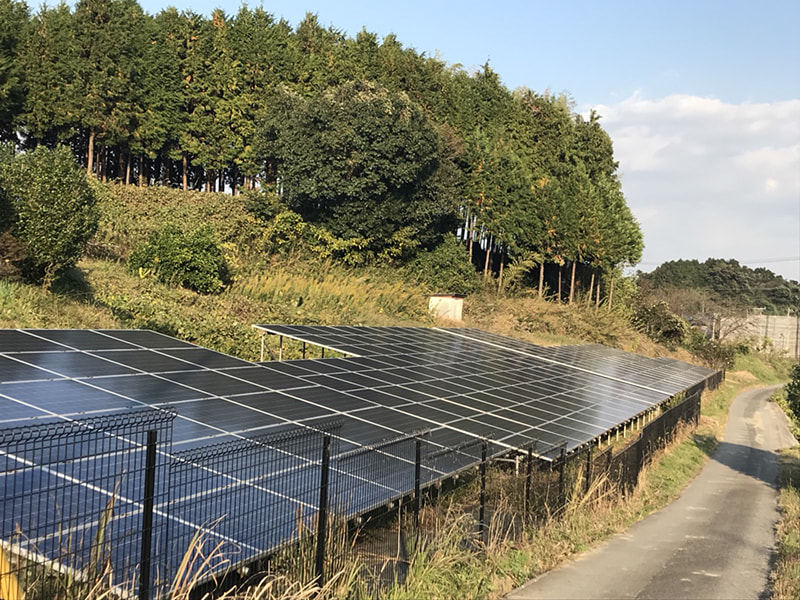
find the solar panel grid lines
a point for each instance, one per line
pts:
(200, 393)
(460, 387)
(542, 354)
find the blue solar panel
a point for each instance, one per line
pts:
(459, 386)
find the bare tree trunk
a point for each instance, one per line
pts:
(128, 170)
(488, 254)
(500, 276)
(101, 157)
(572, 283)
(591, 289)
(610, 293)
(597, 303)
(560, 274)
(90, 153)
(541, 279)
(185, 172)
(471, 234)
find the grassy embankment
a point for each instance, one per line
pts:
(786, 568)
(289, 289)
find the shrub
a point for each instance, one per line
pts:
(446, 268)
(715, 354)
(262, 204)
(50, 208)
(793, 391)
(194, 260)
(659, 324)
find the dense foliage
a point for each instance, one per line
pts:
(384, 150)
(793, 391)
(697, 287)
(192, 260)
(48, 209)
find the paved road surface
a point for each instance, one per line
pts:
(715, 541)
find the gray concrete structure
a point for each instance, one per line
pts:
(781, 331)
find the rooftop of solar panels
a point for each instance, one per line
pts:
(457, 384)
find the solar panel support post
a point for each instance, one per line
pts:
(280, 347)
(322, 514)
(417, 484)
(562, 463)
(588, 482)
(304, 349)
(262, 346)
(147, 515)
(528, 476)
(482, 510)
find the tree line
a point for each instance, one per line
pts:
(723, 286)
(383, 147)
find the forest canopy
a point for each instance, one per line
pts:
(384, 147)
(695, 287)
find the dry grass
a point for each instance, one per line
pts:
(785, 576)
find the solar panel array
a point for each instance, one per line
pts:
(458, 385)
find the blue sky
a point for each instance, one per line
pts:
(702, 100)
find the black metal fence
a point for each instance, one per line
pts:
(104, 501)
(80, 497)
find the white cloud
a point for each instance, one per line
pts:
(710, 179)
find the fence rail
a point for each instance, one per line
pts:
(104, 501)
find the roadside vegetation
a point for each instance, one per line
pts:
(786, 571)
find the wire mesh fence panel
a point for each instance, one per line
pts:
(253, 502)
(624, 469)
(663, 430)
(375, 484)
(599, 482)
(77, 504)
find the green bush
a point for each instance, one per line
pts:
(192, 260)
(715, 354)
(264, 205)
(446, 268)
(793, 391)
(659, 324)
(50, 208)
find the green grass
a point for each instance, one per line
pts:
(785, 576)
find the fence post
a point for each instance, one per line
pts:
(528, 475)
(482, 510)
(417, 484)
(588, 482)
(697, 408)
(147, 515)
(322, 514)
(562, 461)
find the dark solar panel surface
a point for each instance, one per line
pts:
(458, 384)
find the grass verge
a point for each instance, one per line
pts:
(786, 570)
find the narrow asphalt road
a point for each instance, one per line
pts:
(715, 541)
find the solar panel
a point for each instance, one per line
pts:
(459, 385)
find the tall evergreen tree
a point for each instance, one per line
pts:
(13, 27)
(49, 61)
(110, 36)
